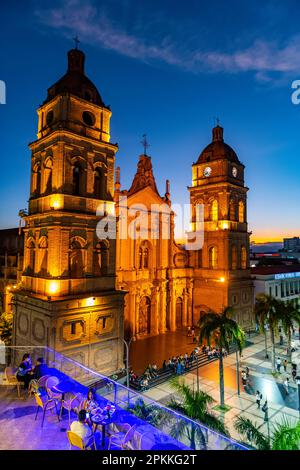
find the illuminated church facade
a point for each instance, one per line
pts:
(81, 294)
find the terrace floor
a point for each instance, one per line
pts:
(19, 430)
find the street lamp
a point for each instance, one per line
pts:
(298, 383)
(237, 371)
(266, 344)
(127, 345)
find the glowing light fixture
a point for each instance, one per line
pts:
(222, 279)
(225, 225)
(53, 287)
(89, 302)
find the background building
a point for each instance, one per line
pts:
(282, 281)
(11, 264)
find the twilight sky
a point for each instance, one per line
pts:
(166, 68)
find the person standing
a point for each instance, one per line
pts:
(285, 363)
(258, 398)
(286, 385)
(278, 362)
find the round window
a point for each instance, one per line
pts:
(88, 118)
(49, 118)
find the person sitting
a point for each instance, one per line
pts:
(154, 370)
(144, 384)
(24, 371)
(90, 403)
(82, 429)
(40, 369)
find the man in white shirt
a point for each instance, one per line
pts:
(82, 429)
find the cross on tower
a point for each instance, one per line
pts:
(145, 143)
(76, 40)
(217, 121)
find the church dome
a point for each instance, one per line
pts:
(218, 149)
(75, 81)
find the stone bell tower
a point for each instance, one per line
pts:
(221, 267)
(68, 299)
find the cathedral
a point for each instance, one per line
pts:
(82, 294)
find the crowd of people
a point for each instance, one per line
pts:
(177, 364)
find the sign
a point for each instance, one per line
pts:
(287, 275)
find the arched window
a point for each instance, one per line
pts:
(43, 256)
(77, 177)
(99, 184)
(101, 259)
(213, 257)
(214, 211)
(76, 259)
(146, 258)
(233, 257)
(37, 180)
(30, 269)
(48, 176)
(244, 258)
(232, 210)
(241, 212)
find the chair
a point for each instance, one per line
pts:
(51, 382)
(11, 379)
(46, 405)
(77, 441)
(36, 386)
(69, 403)
(123, 439)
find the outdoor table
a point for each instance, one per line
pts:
(63, 387)
(104, 420)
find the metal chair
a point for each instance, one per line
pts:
(69, 403)
(77, 441)
(51, 382)
(123, 439)
(11, 379)
(47, 405)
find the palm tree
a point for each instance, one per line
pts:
(221, 330)
(268, 312)
(285, 435)
(194, 405)
(290, 315)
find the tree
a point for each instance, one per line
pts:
(6, 324)
(285, 435)
(221, 330)
(290, 314)
(194, 405)
(268, 312)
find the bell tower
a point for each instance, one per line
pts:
(68, 282)
(221, 267)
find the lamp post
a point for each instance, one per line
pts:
(266, 344)
(298, 383)
(198, 372)
(237, 371)
(127, 346)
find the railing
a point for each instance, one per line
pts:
(161, 422)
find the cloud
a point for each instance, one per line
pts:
(94, 25)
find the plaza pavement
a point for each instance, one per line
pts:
(281, 406)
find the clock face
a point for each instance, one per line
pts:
(234, 171)
(207, 171)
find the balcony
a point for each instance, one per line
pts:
(156, 428)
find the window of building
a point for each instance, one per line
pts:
(213, 257)
(99, 184)
(214, 211)
(73, 328)
(76, 180)
(233, 257)
(243, 257)
(241, 212)
(146, 258)
(232, 210)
